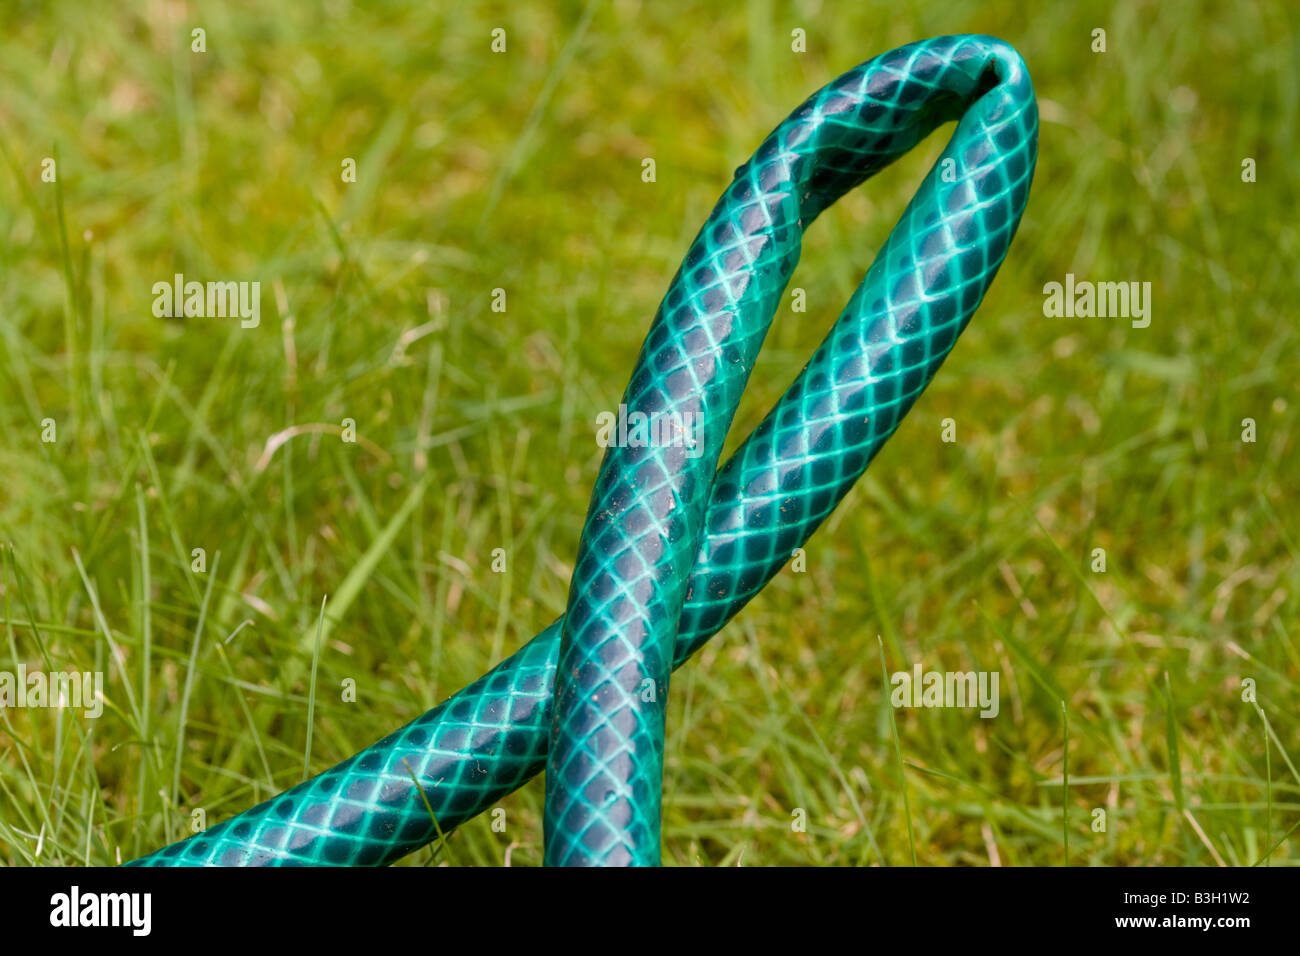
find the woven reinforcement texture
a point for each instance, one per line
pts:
(672, 547)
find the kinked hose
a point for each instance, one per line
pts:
(672, 547)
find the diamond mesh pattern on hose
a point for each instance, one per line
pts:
(672, 550)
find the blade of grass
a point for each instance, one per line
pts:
(898, 751)
(189, 680)
(356, 578)
(441, 844)
(311, 692)
(1065, 782)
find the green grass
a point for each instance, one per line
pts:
(522, 171)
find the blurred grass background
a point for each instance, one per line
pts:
(522, 171)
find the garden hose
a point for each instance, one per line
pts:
(673, 548)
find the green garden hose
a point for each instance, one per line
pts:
(673, 548)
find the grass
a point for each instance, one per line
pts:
(522, 171)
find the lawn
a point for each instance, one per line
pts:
(179, 495)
